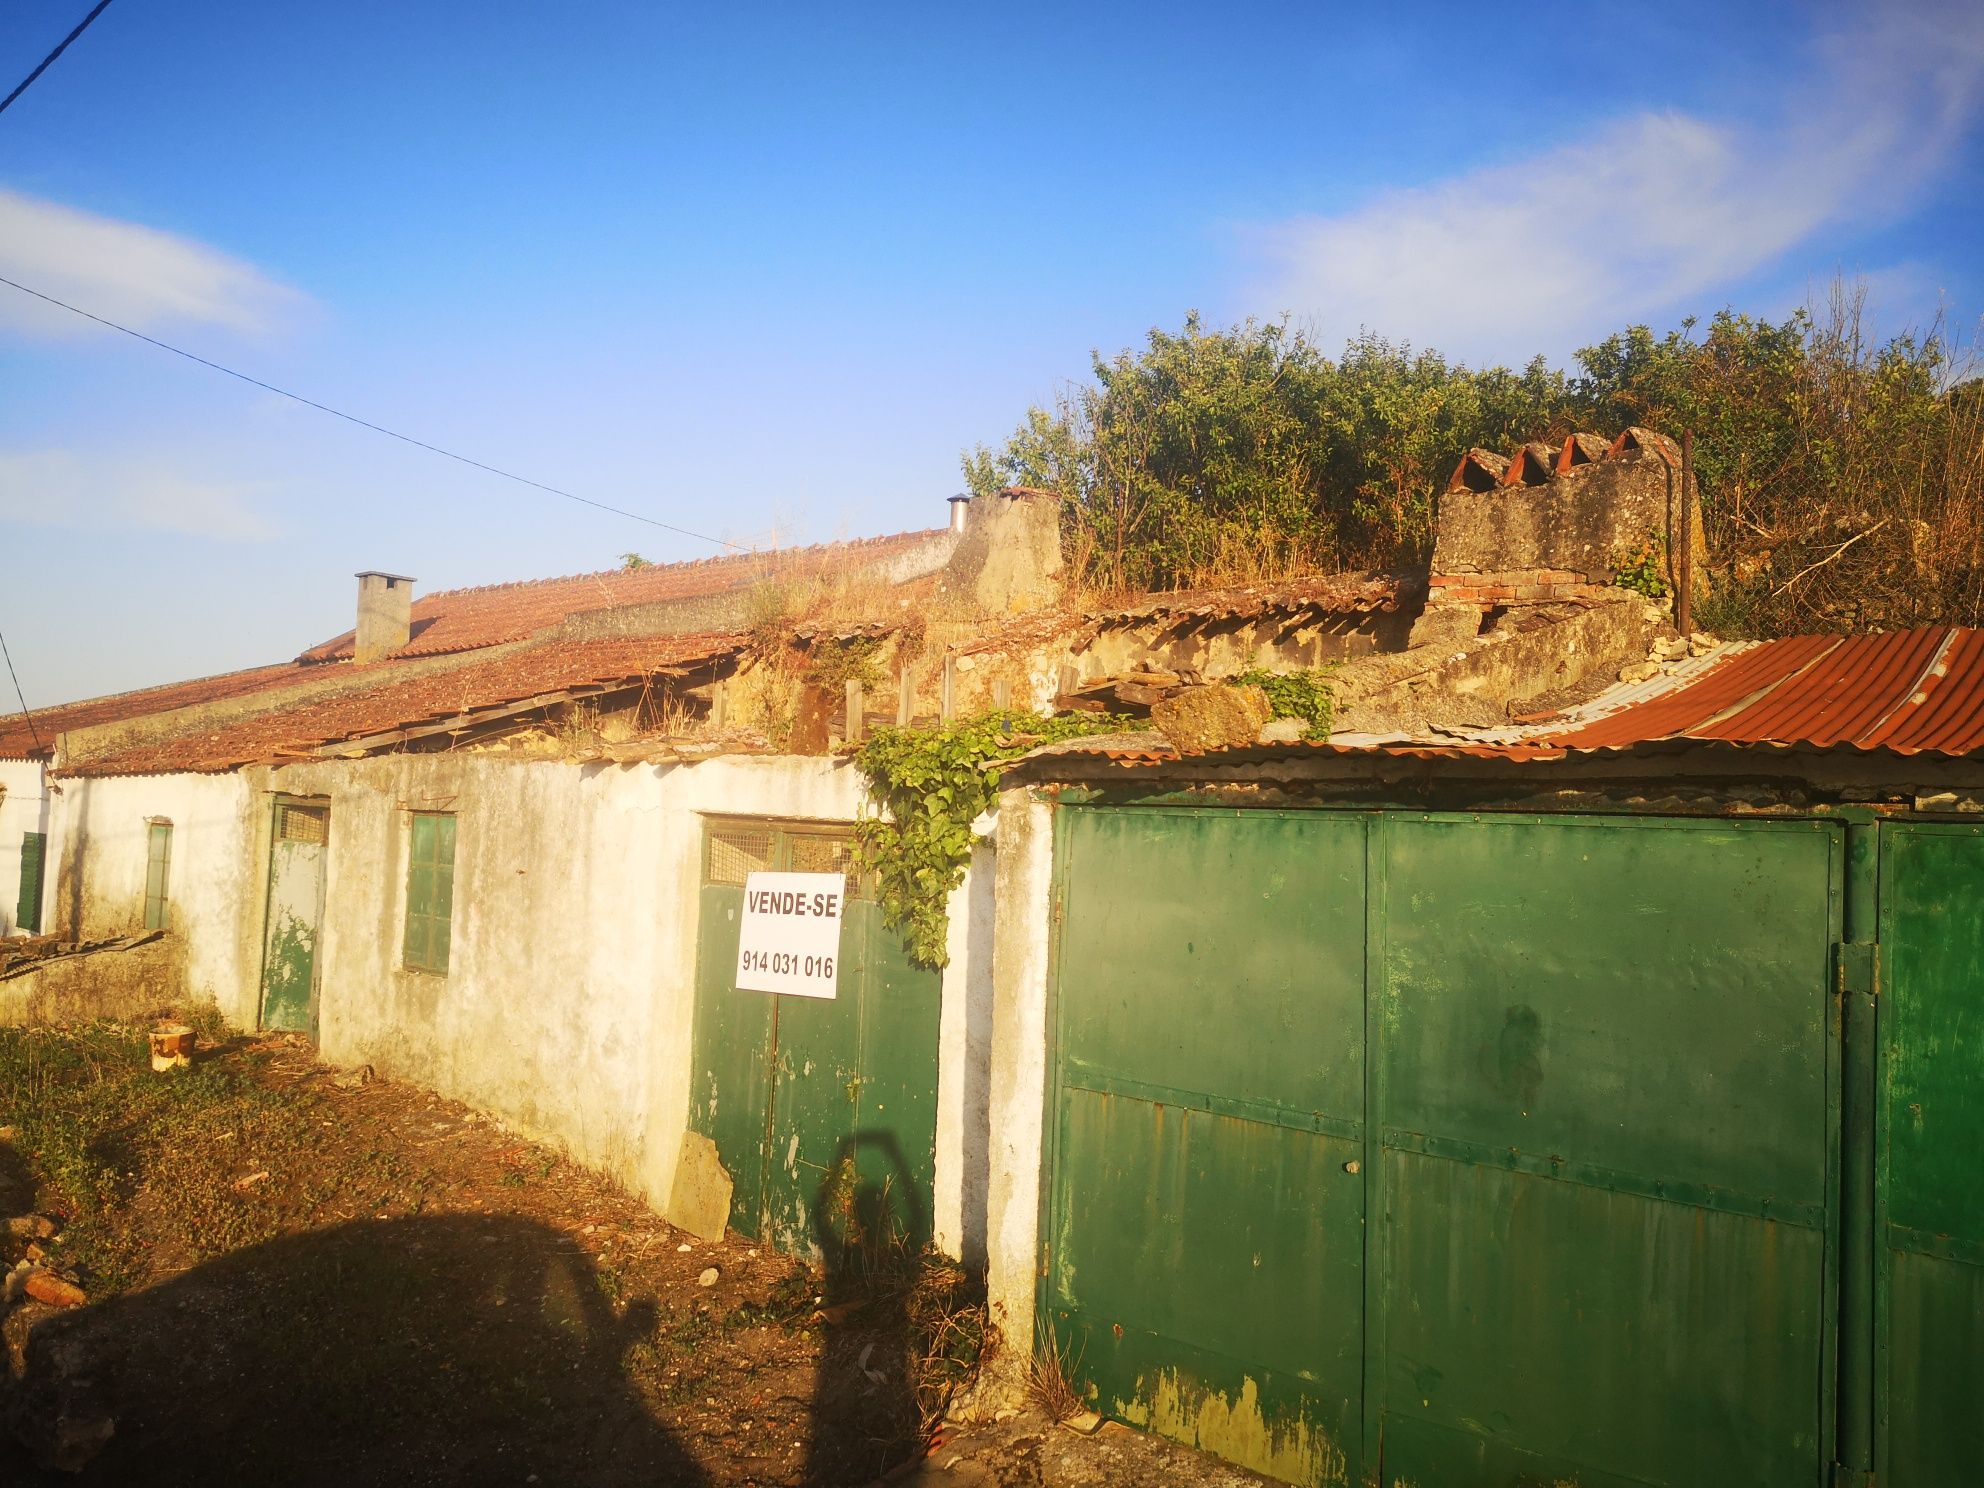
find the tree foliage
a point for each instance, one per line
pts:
(1842, 481)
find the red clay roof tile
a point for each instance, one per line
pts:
(434, 696)
(469, 619)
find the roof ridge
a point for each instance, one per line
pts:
(837, 545)
(111, 697)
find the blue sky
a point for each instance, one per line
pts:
(764, 273)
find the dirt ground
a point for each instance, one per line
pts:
(298, 1279)
(296, 1275)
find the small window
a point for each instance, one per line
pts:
(158, 874)
(303, 823)
(735, 853)
(430, 890)
(812, 853)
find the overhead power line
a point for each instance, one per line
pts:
(49, 61)
(351, 418)
(33, 732)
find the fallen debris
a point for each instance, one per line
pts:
(46, 1286)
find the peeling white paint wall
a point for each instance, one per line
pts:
(964, 1056)
(23, 809)
(568, 1006)
(97, 861)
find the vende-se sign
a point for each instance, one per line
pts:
(790, 938)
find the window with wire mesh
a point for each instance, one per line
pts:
(812, 852)
(734, 853)
(303, 823)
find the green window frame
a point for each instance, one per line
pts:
(158, 873)
(430, 890)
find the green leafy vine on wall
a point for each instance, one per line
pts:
(932, 785)
(1304, 695)
(1642, 567)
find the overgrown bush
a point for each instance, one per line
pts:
(1842, 478)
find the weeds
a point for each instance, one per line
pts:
(1050, 1376)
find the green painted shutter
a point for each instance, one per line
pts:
(158, 867)
(27, 913)
(430, 891)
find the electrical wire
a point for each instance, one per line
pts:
(33, 732)
(350, 418)
(49, 61)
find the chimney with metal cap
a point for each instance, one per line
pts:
(959, 504)
(385, 614)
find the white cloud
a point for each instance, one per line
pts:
(1646, 212)
(61, 488)
(139, 276)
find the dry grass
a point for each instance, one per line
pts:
(1050, 1376)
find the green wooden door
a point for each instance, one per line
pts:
(1204, 1227)
(27, 906)
(1609, 1075)
(298, 847)
(1930, 1189)
(824, 1111)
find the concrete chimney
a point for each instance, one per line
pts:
(959, 505)
(385, 614)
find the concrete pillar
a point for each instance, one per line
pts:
(1017, 1085)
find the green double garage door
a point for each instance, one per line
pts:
(1440, 1150)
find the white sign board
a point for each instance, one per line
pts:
(790, 939)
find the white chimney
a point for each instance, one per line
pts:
(385, 614)
(958, 507)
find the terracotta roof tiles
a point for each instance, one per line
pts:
(469, 619)
(431, 697)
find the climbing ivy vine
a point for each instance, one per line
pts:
(932, 784)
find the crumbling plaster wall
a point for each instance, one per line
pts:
(1009, 560)
(98, 847)
(568, 1008)
(23, 809)
(1576, 524)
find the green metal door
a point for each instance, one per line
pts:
(824, 1111)
(298, 844)
(1205, 1215)
(1609, 1076)
(1930, 1196)
(1581, 1074)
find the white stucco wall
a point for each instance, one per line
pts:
(96, 882)
(568, 1007)
(23, 809)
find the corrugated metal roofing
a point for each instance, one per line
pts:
(1908, 692)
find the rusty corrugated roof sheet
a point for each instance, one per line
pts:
(469, 619)
(1908, 692)
(433, 697)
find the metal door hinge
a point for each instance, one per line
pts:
(1856, 962)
